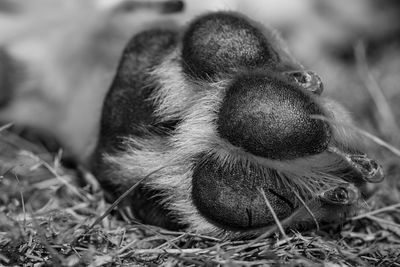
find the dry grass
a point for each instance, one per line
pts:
(54, 216)
(51, 215)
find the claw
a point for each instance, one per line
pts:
(368, 168)
(307, 79)
(372, 172)
(346, 194)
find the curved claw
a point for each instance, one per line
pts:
(346, 194)
(369, 169)
(309, 80)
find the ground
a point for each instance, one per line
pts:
(51, 215)
(56, 215)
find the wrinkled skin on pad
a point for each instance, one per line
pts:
(270, 118)
(227, 113)
(219, 43)
(230, 197)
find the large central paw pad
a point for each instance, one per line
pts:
(271, 118)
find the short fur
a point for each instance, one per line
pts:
(166, 109)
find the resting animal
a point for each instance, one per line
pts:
(235, 129)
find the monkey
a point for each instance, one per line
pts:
(222, 131)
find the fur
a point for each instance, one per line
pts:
(194, 103)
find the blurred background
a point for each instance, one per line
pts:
(58, 58)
